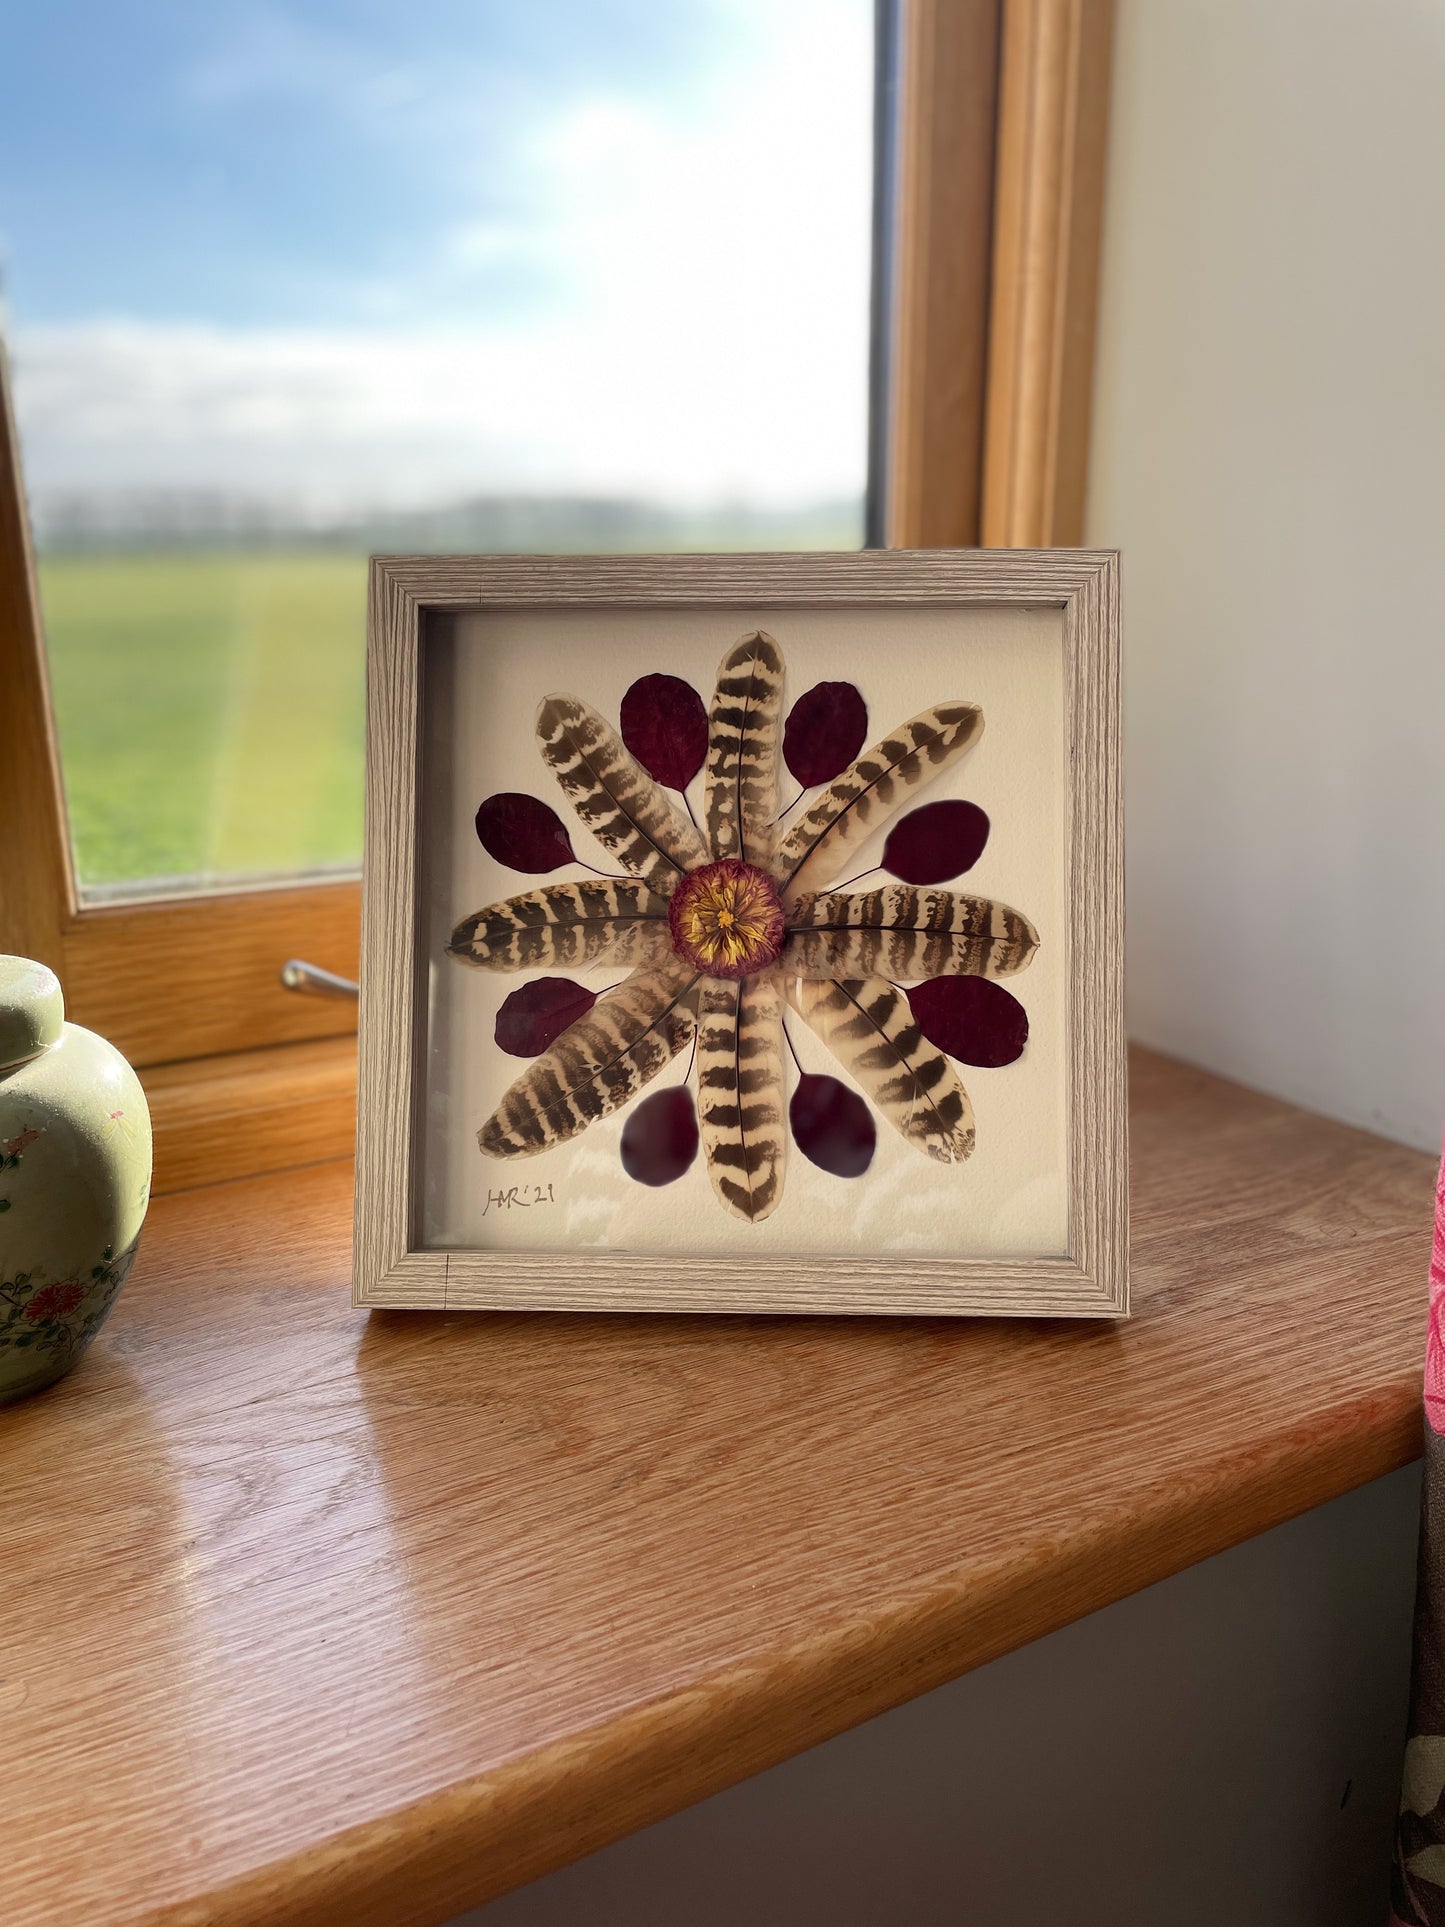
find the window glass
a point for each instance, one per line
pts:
(290, 282)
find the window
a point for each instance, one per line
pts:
(292, 284)
(289, 283)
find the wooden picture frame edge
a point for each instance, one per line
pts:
(390, 1270)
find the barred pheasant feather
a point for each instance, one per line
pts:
(597, 1063)
(904, 933)
(867, 1025)
(611, 921)
(740, 1080)
(846, 813)
(726, 927)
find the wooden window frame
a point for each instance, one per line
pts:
(990, 263)
(242, 1075)
(1002, 130)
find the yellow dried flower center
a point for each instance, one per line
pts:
(726, 919)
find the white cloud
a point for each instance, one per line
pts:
(705, 333)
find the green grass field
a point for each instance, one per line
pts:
(211, 706)
(210, 710)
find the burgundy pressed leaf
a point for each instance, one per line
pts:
(824, 732)
(971, 1018)
(659, 1139)
(534, 1017)
(832, 1125)
(936, 843)
(523, 832)
(664, 724)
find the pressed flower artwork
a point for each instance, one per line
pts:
(742, 933)
(724, 927)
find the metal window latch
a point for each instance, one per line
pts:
(312, 981)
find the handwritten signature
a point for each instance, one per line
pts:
(517, 1194)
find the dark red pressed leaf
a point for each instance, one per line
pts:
(659, 1139)
(534, 1017)
(972, 1019)
(664, 724)
(936, 843)
(824, 732)
(832, 1125)
(523, 832)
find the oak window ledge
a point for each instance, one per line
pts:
(402, 1610)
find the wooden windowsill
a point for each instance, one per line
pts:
(244, 1113)
(310, 1616)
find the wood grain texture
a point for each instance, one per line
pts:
(388, 1077)
(263, 1110)
(36, 888)
(198, 976)
(312, 1618)
(941, 269)
(1091, 1281)
(1048, 208)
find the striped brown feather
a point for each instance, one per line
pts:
(869, 1028)
(741, 797)
(850, 810)
(597, 1064)
(626, 811)
(575, 924)
(740, 1092)
(905, 933)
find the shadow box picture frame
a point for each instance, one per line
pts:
(743, 933)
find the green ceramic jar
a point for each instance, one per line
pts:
(75, 1174)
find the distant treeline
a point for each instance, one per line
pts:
(211, 520)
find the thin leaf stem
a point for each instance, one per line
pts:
(792, 1050)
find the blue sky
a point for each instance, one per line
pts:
(354, 249)
(265, 163)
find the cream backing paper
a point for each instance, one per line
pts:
(485, 675)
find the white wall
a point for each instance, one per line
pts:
(1269, 454)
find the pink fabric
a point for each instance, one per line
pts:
(1435, 1338)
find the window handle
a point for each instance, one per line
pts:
(312, 981)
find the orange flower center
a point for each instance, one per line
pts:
(726, 919)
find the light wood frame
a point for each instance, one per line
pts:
(1001, 140)
(1048, 208)
(393, 1268)
(945, 140)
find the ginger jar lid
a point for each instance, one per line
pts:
(32, 1010)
